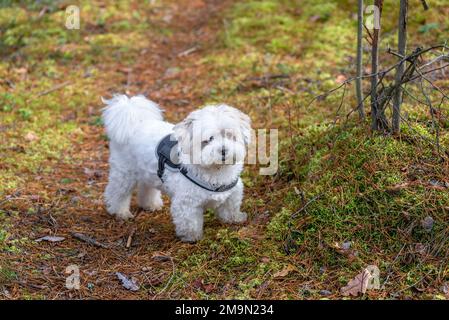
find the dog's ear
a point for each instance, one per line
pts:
(244, 122)
(183, 132)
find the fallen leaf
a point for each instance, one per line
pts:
(249, 233)
(420, 249)
(325, 292)
(170, 72)
(129, 284)
(50, 239)
(346, 245)
(91, 173)
(21, 70)
(208, 288)
(200, 285)
(265, 259)
(340, 79)
(361, 283)
(284, 272)
(31, 136)
(427, 223)
(156, 280)
(167, 18)
(345, 249)
(314, 18)
(160, 256)
(357, 285)
(398, 187)
(445, 288)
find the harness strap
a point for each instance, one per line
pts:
(222, 188)
(164, 158)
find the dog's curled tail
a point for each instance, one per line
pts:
(123, 115)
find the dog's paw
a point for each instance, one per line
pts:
(240, 218)
(190, 238)
(124, 215)
(154, 205)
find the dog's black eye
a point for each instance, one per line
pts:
(211, 138)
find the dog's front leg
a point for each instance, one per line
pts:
(188, 219)
(229, 210)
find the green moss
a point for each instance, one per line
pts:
(279, 225)
(238, 250)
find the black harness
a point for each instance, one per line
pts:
(164, 154)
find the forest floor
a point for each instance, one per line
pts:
(342, 199)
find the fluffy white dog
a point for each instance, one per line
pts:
(209, 147)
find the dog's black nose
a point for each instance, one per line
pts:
(223, 151)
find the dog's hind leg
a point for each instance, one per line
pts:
(148, 197)
(118, 193)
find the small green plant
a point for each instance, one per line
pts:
(25, 113)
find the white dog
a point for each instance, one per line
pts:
(208, 146)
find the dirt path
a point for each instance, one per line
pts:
(145, 248)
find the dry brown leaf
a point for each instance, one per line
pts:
(398, 187)
(21, 70)
(357, 285)
(200, 285)
(362, 282)
(50, 239)
(284, 272)
(31, 136)
(340, 79)
(160, 256)
(249, 233)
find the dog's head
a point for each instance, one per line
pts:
(214, 136)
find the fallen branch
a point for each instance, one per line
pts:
(57, 87)
(89, 240)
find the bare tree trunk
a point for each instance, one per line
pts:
(402, 43)
(359, 89)
(376, 113)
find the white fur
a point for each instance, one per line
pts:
(135, 126)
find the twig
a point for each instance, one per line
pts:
(390, 267)
(130, 238)
(57, 87)
(304, 207)
(268, 77)
(341, 104)
(89, 240)
(441, 57)
(169, 280)
(187, 52)
(435, 125)
(370, 40)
